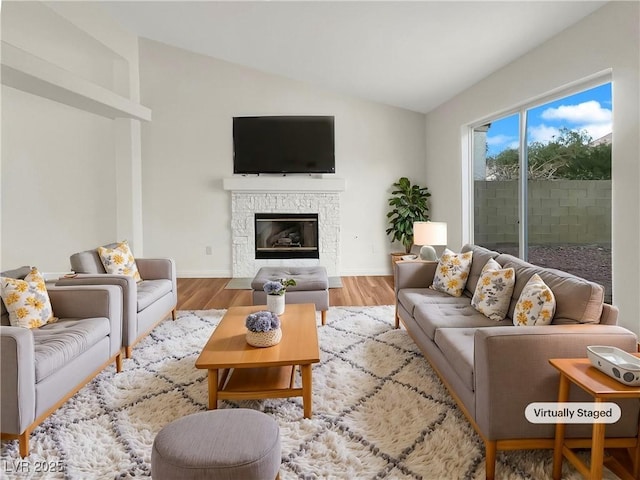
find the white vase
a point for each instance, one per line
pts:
(275, 304)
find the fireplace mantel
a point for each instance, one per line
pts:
(290, 183)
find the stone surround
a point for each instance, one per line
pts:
(244, 204)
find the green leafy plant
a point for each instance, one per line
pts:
(409, 204)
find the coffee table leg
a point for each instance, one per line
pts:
(307, 393)
(213, 389)
(597, 448)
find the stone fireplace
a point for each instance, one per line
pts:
(298, 198)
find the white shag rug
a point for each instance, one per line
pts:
(379, 411)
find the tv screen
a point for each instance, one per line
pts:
(283, 144)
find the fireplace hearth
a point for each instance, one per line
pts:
(286, 235)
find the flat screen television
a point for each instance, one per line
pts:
(283, 144)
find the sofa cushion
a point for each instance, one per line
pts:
(452, 272)
(456, 344)
(56, 344)
(430, 317)
(493, 292)
(577, 300)
(151, 290)
(480, 258)
(536, 304)
(27, 301)
(410, 297)
(119, 260)
(88, 261)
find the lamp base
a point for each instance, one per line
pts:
(428, 253)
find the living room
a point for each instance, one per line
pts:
(73, 179)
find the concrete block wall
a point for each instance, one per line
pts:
(560, 211)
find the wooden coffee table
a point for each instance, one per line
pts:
(238, 371)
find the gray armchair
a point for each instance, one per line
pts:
(145, 304)
(42, 368)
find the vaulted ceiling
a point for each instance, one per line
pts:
(410, 54)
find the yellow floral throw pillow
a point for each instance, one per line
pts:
(27, 301)
(493, 291)
(452, 272)
(536, 304)
(119, 261)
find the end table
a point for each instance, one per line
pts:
(601, 387)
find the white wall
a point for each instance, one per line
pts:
(68, 176)
(607, 39)
(187, 151)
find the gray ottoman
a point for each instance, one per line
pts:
(221, 444)
(312, 286)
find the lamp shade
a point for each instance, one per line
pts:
(430, 233)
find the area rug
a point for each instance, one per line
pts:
(379, 411)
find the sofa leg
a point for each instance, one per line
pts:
(119, 362)
(323, 314)
(490, 449)
(397, 318)
(23, 443)
(128, 351)
(173, 314)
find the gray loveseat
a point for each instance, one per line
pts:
(495, 369)
(145, 304)
(42, 368)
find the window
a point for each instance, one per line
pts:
(542, 184)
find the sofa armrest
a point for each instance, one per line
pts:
(129, 291)
(413, 274)
(17, 379)
(91, 301)
(156, 268)
(511, 367)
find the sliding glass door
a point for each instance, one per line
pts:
(542, 184)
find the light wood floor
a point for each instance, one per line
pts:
(208, 293)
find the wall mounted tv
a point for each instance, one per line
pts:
(283, 144)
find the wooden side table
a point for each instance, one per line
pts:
(603, 388)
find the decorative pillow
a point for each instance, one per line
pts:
(536, 304)
(492, 296)
(27, 301)
(119, 261)
(452, 272)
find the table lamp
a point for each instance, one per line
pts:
(428, 234)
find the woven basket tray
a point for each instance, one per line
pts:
(264, 339)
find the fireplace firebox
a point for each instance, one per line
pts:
(286, 235)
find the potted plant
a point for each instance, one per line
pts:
(409, 204)
(275, 291)
(263, 329)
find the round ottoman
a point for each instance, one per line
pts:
(224, 444)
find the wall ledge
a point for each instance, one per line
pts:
(288, 183)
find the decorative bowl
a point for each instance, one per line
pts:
(616, 363)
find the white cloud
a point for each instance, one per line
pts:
(597, 130)
(542, 133)
(590, 112)
(499, 139)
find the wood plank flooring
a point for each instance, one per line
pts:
(209, 293)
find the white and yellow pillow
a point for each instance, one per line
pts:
(119, 261)
(493, 290)
(452, 272)
(536, 305)
(27, 301)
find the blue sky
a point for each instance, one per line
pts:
(589, 110)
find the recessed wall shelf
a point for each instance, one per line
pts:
(29, 73)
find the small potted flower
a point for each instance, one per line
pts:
(263, 329)
(275, 290)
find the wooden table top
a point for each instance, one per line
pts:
(597, 383)
(228, 348)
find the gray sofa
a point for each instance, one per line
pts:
(494, 369)
(42, 368)
(145, 303)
